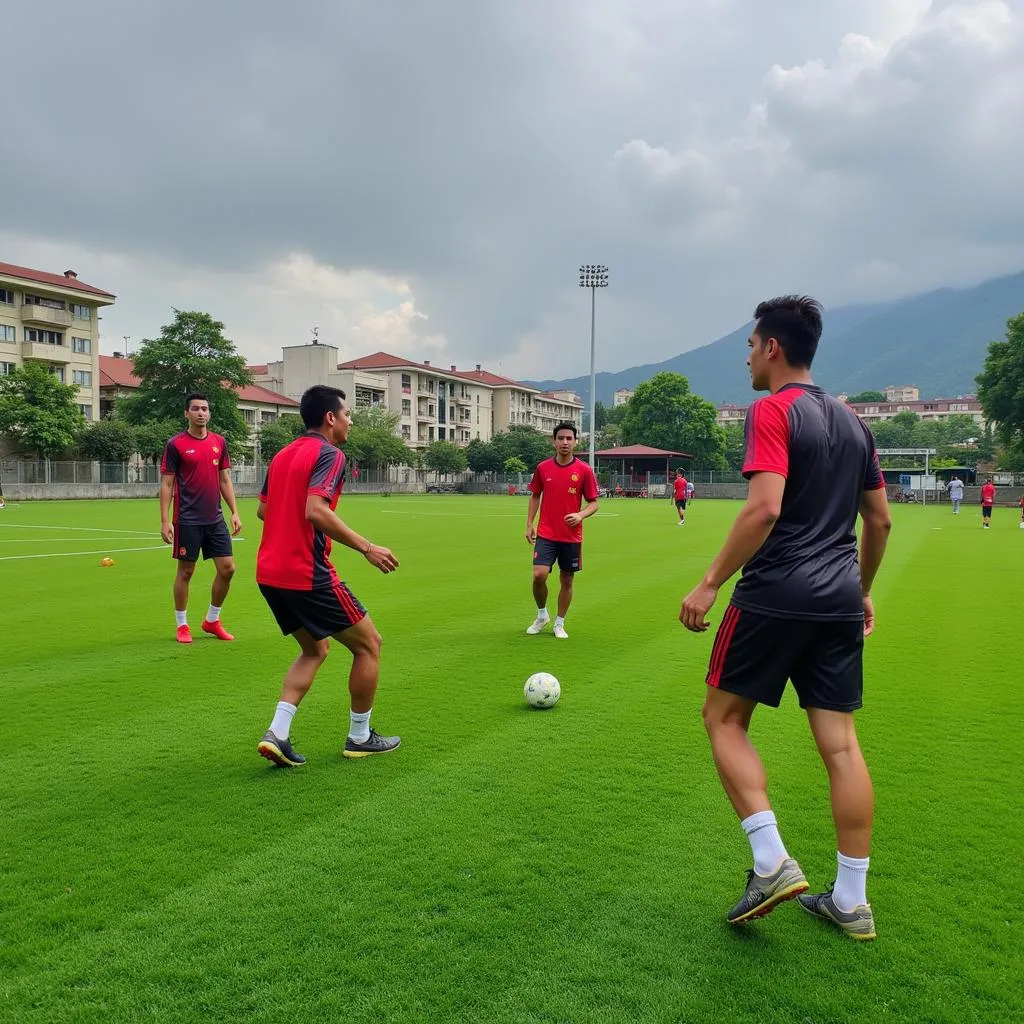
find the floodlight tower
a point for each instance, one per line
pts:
(593, 276)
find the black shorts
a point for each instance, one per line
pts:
(754, 656)
(212, 539)
(681, 503)
(986, 511)
(322, 612)
(569, 556)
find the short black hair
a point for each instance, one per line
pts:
(565, 425)
(317, 402)
(794, 321)
(195, 396)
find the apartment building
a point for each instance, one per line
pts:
(53, 320)
(258, 405)
(726, 415)
(903, 393)
(622, 396)
(930, 409)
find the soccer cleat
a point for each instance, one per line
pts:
(537, 625)
(858, 923)
(765, 892)
(280, 752)
(216, 629)
(560, 632)
(184, 635)
(376, 744)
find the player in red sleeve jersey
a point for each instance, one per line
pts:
(988, 500)
(679, 486)
(299, 583)
(800, 611)
(558, 489)
(194, 472)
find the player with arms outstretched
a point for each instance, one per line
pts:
(301, 586)
(558, 490)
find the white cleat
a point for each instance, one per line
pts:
(560, 632)
(537, 625)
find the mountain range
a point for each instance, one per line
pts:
(936, 341)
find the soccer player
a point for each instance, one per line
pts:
(298, 581)
(800, 611)
(988, 500)
(956, 493)
(689, 490)
(679, 487)
(558, 489)
(194, 471)
(1021, 503)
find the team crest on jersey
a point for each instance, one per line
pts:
(182, 552)
(575, 478)
(216, 450)
(216, 461)
(190, 451)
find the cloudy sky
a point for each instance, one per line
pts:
(425, 176)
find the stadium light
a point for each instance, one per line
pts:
(593, 276)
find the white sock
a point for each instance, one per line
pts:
(542, 613)
(560, 620)
(282, 723)
(359, 726)
(765, 841)
(851, 882)
(181, 617)
(212, 616)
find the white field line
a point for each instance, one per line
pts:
(80, 529)
(480, 515)
(101, 551)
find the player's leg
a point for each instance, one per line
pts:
(570, 562)
(682, 511)
(749, 666)
(544, 554)
(187, 544)
(217, 546)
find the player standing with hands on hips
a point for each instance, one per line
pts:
(558, 490)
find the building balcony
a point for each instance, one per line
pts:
(45, 315)
(422, 414)
(43, 353)
(459, 400)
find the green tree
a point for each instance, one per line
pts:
(38, 412)
(1001, 385)
(191, 354)
(514, 464)
(609, 436)
(735, 445)
(444, 457)
(482, 457)
(868, 396)
(151, 437)
(528, 444)
(665, 413)
(277, 434)
(372, 441)
(108, 441)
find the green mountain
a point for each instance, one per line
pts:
(937, 341)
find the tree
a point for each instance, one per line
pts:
(1001, 385)
(868, 396)
(372, 441)
(277, 434)
(191, 354)
(108, 441)
(664, 413)
(482, 457)
(735, 445)
(528, 444)
(151, 438)
(444, 457)
(516, 465)
(39, 412)
(609, 436)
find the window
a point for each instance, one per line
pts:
(6, 297)
(406, 432)
(86, 411)
(406, 407)
(40, 300)
(451, 412)
(80, 312)
(451, 390)
(267, 417)
(7, 368)
(82, 345)
(58, 372)
(8, 333)
(430, 433)
(83, 377)
(39, 337)
(406, 384)
(249, 417)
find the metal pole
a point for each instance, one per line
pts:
(593, 379)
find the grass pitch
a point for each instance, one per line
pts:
(505, 865)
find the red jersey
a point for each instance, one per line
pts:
(562, 490)
(988, 495)
(679, 484)
(196, 464)
(293, 554)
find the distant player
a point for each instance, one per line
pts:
(2, 502)
(558, 489)
(1021, 503)
(195, 473)
(800, 611)
(689, 490)
(956, 493)
(298, 581)
(679, 486)
(988, 500)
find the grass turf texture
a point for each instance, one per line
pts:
(506, 864)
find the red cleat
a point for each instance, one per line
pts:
(184, 635)
(217, 629)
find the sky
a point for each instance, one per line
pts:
(426, 178)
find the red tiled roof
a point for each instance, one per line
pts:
(257, 368)
(56, 280)
(387, 361)
(120, 373)
(555, 398)
(640, 451)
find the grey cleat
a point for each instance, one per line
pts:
(279, 751)
(376, 744)
(765, 892)
(858, 923)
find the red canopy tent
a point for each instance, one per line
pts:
(637, 462)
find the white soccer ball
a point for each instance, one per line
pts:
(1022, 524)
(542, 690)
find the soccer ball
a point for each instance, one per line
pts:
(1022, 524)
(106, 562)
(542, 690)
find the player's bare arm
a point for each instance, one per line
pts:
(874, 536)
(531, 515)
(575, 518)
(261, 510)
(227, 492)
(319, 513)
(751, 529)
(166, 495)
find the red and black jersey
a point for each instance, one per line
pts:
(988, 494)
(679, 487)
(808, 567)
(293, 554)
(562, 490)
(196, 464)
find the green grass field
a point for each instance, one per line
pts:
(571, 865)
